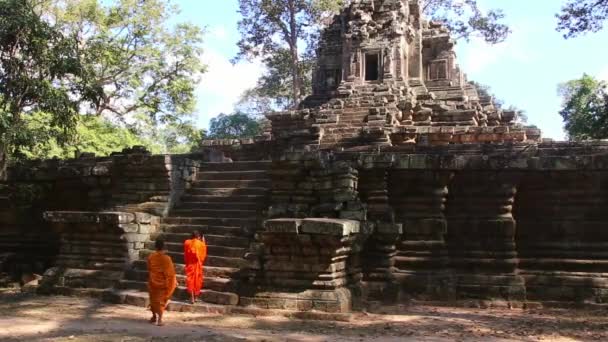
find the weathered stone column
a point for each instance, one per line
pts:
(306, 265)
(418, 198)
(96, 248)
(562, 236)
(373, 190)
(481, 235)
(378, 263)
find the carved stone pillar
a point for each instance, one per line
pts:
(388, 56)
(373, 189)
(481, 236)
(379, 263)
(418, 198)
(380, 248)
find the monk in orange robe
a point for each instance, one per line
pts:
(161, 282)
(195, 253)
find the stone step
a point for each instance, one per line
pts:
(214, 213)
(352, 118)
(236, 166)
(212, 260)
(225, 251)
(229, 198)
(228, 192)
(209, 271)
(251, 183)
(208, 296)
(211, 230)
(140, 298)
(226, 205)
(138, 280)
(212, 240)
(232, 175)
(212, 221)
(417, 263)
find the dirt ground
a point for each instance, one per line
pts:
(32, 318)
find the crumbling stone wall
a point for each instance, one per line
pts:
(95, 248)
(130, 181)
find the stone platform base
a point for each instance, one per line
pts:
(140, 299)
(337, 300)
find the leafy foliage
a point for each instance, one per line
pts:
(231, 126)
(582, 16)
(177, 137)
(465, 19)
(274, 30)
(39, 71)
(253, 103)
(132, 62)
(585, 108)
(92, 134)
(117, 61)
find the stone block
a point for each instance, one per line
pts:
(389, 228)
(334, 227)
(147, 228)
(129, 227)
(289, 226)
(358, 215)
(143, 218)
(135, 237)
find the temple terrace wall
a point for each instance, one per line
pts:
(512, 223)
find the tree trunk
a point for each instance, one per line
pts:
(3, 163)
(293, 46)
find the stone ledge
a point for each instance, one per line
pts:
(288, 226)
(389, 228)
(320, 226)
(98, 217)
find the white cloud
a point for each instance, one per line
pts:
(477, 55)
(223, 83)
(218, 32)
(603, 74)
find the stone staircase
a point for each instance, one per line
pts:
(224, 204)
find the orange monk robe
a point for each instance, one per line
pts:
(195, 252)
(161, 281)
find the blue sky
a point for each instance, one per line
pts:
(523, 71)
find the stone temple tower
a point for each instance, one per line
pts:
(372, 42)
(386, 78)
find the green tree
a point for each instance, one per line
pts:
(120, 61)
(465, 19)
(585, 108)
(275, 31)
(39, 72)
(582, 16)
(232, 126)
(92, 134)
(136, 64)
(255, 104)
(175, 137)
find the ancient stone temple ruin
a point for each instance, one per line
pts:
(396, 180)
